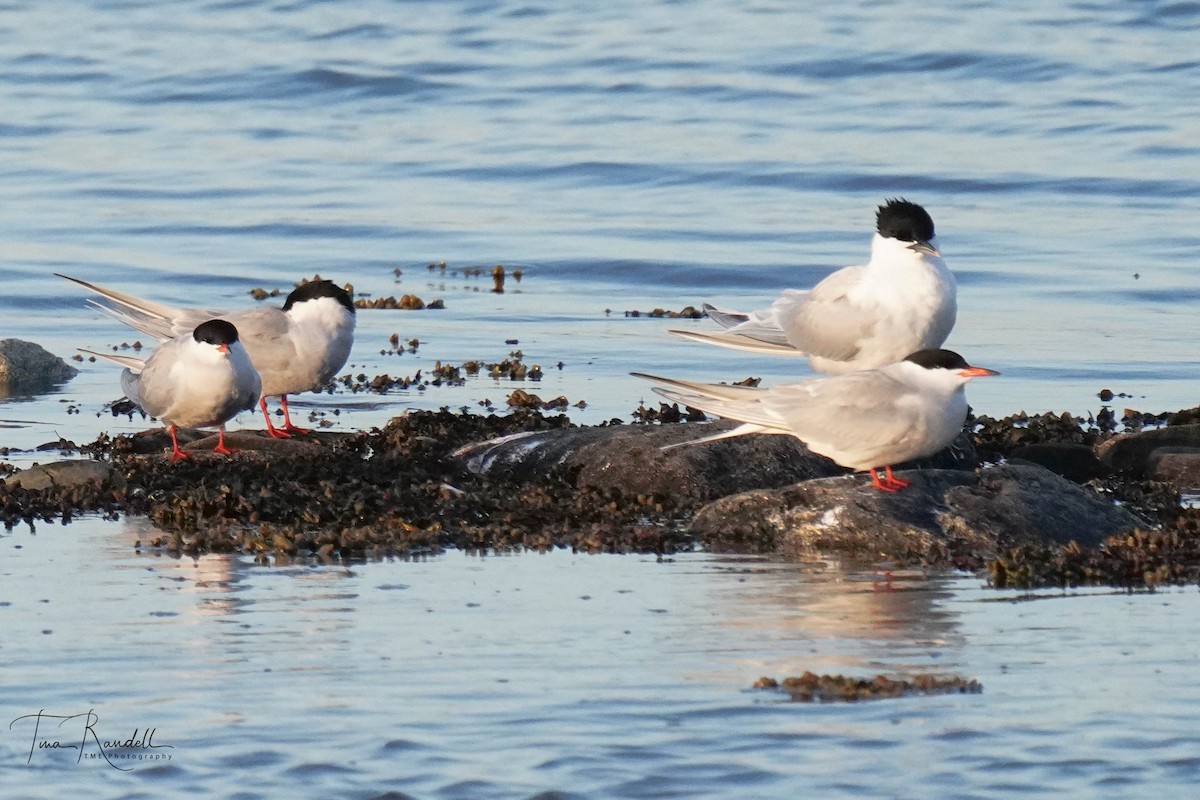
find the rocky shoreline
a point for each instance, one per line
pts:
(1050, 500)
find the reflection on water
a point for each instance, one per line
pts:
(621, 676)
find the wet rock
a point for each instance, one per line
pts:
(1130, 453)
(1178, 465)
(28, 368)
(1075, 462)
(628, 459)
(156, 441)
(65, 474)
(943, 516)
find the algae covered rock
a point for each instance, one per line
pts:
(943, 513)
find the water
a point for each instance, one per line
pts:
(593, 676)
(625, 157)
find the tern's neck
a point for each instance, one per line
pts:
(890, 254)
(939, 381)
(323, 312)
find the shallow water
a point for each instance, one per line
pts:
(624, 157)
(593, 676)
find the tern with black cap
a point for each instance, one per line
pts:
(866, 420)
(297, 348)
(199, 380)
(904, 299)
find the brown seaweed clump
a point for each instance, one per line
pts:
(813, 688)
(1140, 560)
(389, 491)
(687, 312)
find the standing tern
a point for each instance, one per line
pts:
(901, 301)
(199, 380)
(865, 420)
(297, 348)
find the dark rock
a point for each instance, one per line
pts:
(629, 459)
(158, 441)
(1178, 465)
(1187, 416)
(1075, 462)
(1130, 453)
(943, 514)
(63, 474)
(28, 368)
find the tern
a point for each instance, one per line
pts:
(866, 420)
(199, 380)
(901, 301)
(297, 348)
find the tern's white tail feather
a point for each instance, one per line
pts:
(743, 409)
(725, 390)
(739, 341)
(722, 399)
(153, 319)
(741, 430)
(130, 363)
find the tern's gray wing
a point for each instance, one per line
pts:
(154, 389)
(726, 319)
(266, 333)
(858, 419)
(827, 321)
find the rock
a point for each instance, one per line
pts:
(1075, 462)
(28, 368)
(943, 513)
(157, 441)
(62, 474)
(1130, 453)
(1178, 465)
(259, 441)
(628, 458)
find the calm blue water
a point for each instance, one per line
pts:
(625, 157)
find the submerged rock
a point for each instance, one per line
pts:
(28, 368)
(943, 515)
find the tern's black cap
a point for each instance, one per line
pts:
(314, 290)
(215, 331)
(938, 359)
(900, 219)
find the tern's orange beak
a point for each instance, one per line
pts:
(977, 372)
(224, 348)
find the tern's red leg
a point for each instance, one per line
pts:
(287, 420)
(892, 480)
(881, 485)
(272, 431)
(176, 453)
(221, 448)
